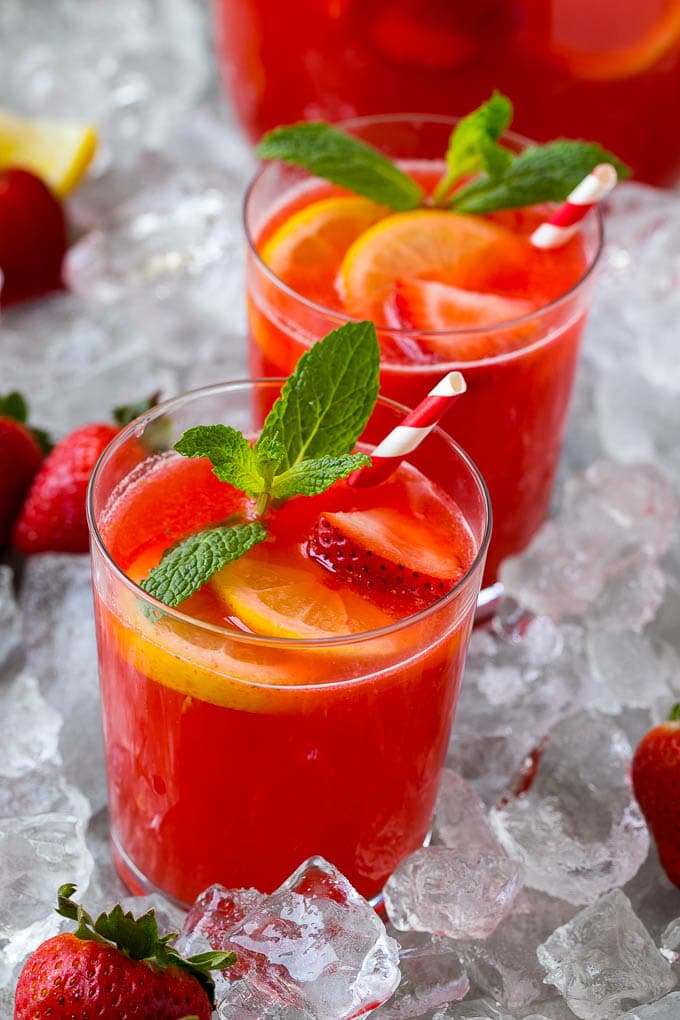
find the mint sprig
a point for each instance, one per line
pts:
(473, 145)
(503, 180)
(187, 566)
(541, 173)
(334, 155)
(305, 445)
(325, 404)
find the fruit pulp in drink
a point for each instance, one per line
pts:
(231, 758)
(608, 71)
(445, 291)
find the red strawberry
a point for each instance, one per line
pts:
(21, 453)
(32, 236)
(656, 782)
(115, 968)
(429, 305)
(385, 551)
(53, 517)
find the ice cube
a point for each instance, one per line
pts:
(163, 253)
(98, 357)
(29, 727)
(42, 845)
(241, 1002)
(609, 512)
(604, 960)
(314, 945)
(464, 892)
(131, 68)
(667, 1008)
(505, 965)
(431, 976)
(517, 686)
(628, 666)
(61, 649)
(209, 923)
(10, 628)
(473, 1009)
(460, 817)
(577, 830)
(631, 596)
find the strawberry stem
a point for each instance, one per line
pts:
(674, 714)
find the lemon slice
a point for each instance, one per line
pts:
(306, 250)
(59, 152)
(648, 47)
(276, 600)
(424, 244)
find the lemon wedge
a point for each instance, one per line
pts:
(59, 152)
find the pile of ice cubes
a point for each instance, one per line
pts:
(547, 906)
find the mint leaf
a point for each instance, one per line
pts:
(310, 477)
(187, 566)
(472, 145)
(14, 406)
(336, 156)
(325, 404)
(542, 173)
(229, 452)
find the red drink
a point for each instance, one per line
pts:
(608, 71)
(311, 266)
(235, 750)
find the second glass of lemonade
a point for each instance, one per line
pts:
(302, 715)
(519, 366)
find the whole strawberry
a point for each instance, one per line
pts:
(114, 968)
(32, 236)
(21, 454)
(53, 517)
(656, 782)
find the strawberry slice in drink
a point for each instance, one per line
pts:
(431, 306)
(385, 552)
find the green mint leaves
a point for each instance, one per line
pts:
(334, 155)
(502, 180)
(541, 173)
(326, 402)
(138, 938)
(305, 445)
(473, 145)
(187, 566)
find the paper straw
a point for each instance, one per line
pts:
(417, 424)
(565, 221)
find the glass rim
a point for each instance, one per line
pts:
(243, 637)
(341, 317)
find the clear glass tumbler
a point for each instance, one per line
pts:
(232, 757)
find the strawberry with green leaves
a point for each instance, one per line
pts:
(21, 452)
(656, 782)
(53, 517)
(115, 968)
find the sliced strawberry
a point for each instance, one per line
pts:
(387, 552)
(429, 305)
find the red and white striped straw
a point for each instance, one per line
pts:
(417, 424)
(565, 221)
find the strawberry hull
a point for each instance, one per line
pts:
(232, 757)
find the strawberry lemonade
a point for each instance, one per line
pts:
(446, 290)
(299, 702)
